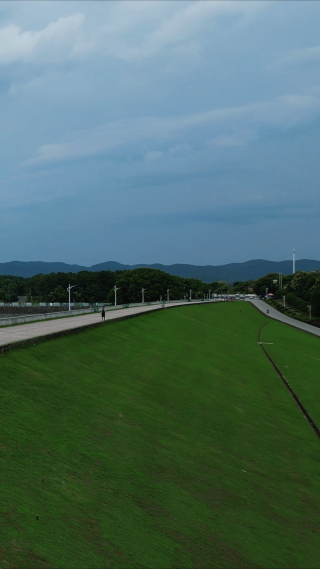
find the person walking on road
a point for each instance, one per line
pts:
(103, 314)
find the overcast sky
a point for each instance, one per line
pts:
(171, 132)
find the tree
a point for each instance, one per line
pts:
(260, 285)
(214, 286)
(90, 286)
(302, 284)
(244, 287)
(59, 295)
(9, 292)
(315, 302)
(156, 283)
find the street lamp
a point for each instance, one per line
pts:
(115, 294)
(69, 290)
(168, 296)
(190, 291)
(142, 290)
(284, 301)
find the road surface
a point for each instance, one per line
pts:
(273, 313)
(12, 334)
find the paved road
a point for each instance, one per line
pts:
(37, 329)
(273, 313)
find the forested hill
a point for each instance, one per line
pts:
(232, 272)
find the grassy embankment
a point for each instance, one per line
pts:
(297, 355)
(164, 441)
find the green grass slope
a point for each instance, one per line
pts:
(164, 441)
(297, 355)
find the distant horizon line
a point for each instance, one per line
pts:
(157, 263)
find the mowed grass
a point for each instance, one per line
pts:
(297, 355)
(163, 441)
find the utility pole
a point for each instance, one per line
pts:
(115, 294)
(69, 290)
(142, 290)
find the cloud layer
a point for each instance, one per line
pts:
(140, 131)
(285, 112)
(55, 41)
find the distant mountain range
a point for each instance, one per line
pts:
(208, 273)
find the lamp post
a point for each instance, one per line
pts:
(190, 291)
(309, 308)
(168, 295)
(209, 293)
(115, 294)
(142, 290)
(69, 290)
(284, 301)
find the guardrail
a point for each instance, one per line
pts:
(156, 302)
(11, 320)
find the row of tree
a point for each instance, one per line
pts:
(99, 286)
(88, 287)
(156, 284)
(301, 289)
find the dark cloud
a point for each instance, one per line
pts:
(238, 214)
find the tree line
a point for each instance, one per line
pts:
(301, 289)
(99, 287)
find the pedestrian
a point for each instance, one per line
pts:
(103, 314)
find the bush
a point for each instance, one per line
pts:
(315, 302)
(279, 294)
(296, 302)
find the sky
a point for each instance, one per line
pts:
(159, 132)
